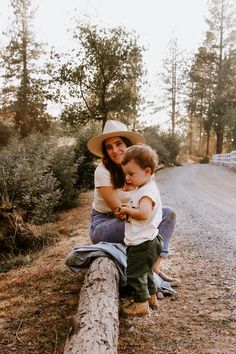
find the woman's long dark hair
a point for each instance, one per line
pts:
(117, 174)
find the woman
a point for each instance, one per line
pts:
(111, 190)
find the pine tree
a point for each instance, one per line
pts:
(172, 78)
(201, 85)
(230, 114)
(23, 91)
(219, 38)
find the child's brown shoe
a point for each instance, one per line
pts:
(153, 301)
(136, 308)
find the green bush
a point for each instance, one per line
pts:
(172, 144)
(37, 176)
(166, 145)
(5, 134)
(64, 169)
(27, 181)
(85, 160)
(205, 159)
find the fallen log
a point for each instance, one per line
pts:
(95, 327)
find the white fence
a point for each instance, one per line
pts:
(225, 159)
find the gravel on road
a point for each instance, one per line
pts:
(201, 319)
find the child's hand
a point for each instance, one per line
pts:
(120, 212)
(128, 187)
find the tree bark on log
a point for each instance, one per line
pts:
(95, 326)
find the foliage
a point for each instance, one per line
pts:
(24, 89)
(104, 79)
(230, 134)
(172, 143)
(172, 78)
(85, 159)
(26, 181)
(205, 159)
(166, 145)
(5, 133)
(200, 90)
(30, 179)
(220, 39)
(211, 81)
(64, 168)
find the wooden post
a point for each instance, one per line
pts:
(95, 326)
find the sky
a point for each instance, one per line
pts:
(154, 22)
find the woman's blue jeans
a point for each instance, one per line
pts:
(106, 227)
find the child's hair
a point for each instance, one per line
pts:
(143, 155)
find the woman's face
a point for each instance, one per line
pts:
(115, 148)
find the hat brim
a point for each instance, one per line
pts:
(95, 144)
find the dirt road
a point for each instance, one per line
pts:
(207, 192)
(204, 197)
(202, 318)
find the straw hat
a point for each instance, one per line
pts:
(111, 129)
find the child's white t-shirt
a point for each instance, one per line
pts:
(139, 231)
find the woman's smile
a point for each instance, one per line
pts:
(115, 149)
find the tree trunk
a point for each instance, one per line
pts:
(219, 141)
(190, 134)
(208, 142)
(200, 137)
(95, 326)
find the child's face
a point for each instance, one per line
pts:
(136, 175)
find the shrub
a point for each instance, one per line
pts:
(205, 159)
(37, 176)
(172, 144)
(27, 181)
(166, 145)
(5, 134)
(85, 160)
(64, 169)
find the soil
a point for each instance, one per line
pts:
(38, 298)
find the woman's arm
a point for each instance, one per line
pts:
(110, 196)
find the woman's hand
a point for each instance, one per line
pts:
(121, 212)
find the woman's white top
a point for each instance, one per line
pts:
(139, 231)
(102, 178)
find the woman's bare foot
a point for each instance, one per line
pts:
(156, 269)
(173, 281)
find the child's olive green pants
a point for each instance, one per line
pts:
(140, 261)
